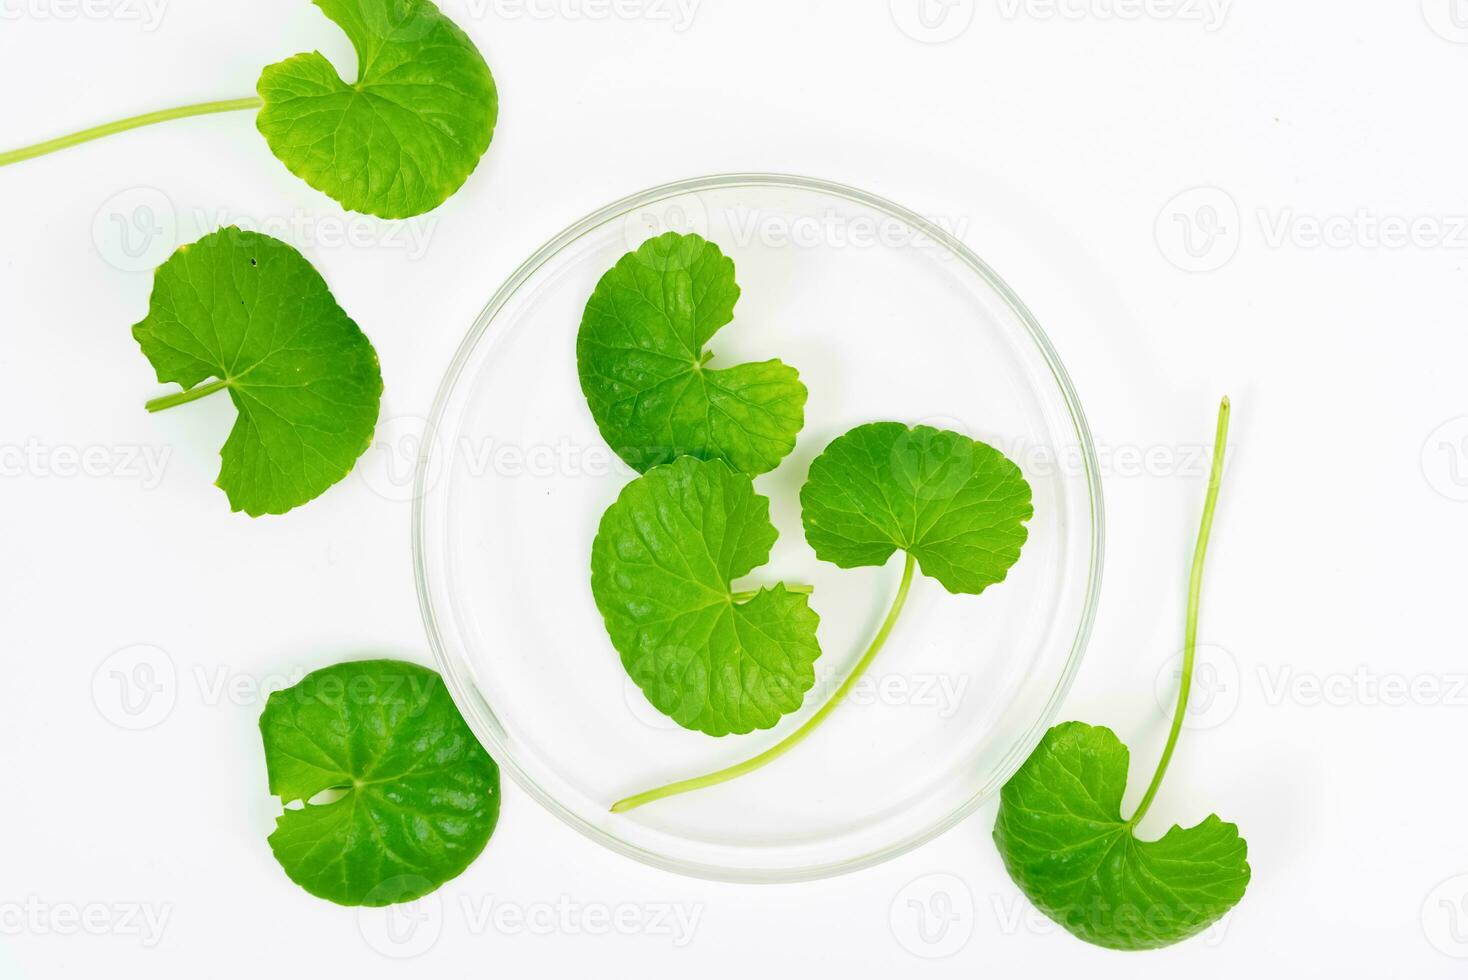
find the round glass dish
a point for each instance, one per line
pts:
(886, 316)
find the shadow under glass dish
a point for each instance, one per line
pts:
(887, 318)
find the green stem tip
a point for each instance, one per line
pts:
(800, 734)
(1195, 593)
(122, 125)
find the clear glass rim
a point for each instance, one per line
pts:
(476, 710)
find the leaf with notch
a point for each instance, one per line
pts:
(250, 311)
(402, 138)
(641, 354)
(420, 796)
(662, 565)
(1064, 843)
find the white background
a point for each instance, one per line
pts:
(1057, 138)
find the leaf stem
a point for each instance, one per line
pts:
(795, 737)
(184, 397)
(1195, 592)
(749, 594)
(122, 125)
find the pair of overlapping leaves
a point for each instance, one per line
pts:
(670, 548)
(250, 312)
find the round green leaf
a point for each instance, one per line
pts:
(1064, 843)
(643, 364)
(251, 312)
(406, 135)
(420, 797)
(661, 568)
(955, 504)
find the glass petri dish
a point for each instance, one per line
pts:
(887, 317)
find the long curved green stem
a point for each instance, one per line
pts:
(122, 125)
(184, 397)
(1195, 592)
(797, 736)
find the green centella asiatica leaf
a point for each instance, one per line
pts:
(403, 137)
(644, 364)
(956, 505)
(1063, 841)
(419, 797)
(662, 565)
(252, 314)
